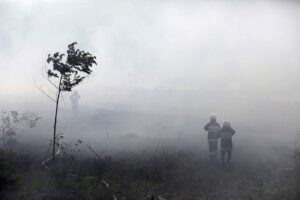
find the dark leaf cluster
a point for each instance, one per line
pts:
(72, 70)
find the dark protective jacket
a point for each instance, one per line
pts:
(213, 129)
(226, 134)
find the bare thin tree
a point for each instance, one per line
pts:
(67, 72)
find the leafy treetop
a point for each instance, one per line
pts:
(73, 70)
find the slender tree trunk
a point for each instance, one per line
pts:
(55, 121)
(3, 136)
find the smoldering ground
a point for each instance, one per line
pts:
(126, 161)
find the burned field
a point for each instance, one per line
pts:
(160, 173)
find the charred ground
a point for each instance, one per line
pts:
(164, 172)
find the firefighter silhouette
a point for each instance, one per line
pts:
(74, 98)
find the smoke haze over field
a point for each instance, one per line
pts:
(134, 128)
(239, 60)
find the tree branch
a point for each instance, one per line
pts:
(42, 91)
(47, 78)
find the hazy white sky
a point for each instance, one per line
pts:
(247, 48)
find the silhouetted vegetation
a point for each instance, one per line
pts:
(160, 174)
(69, 72)
(11, 120)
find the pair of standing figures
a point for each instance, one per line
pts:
(215, 131)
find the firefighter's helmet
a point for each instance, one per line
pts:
(226, 123)
(213, 117)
